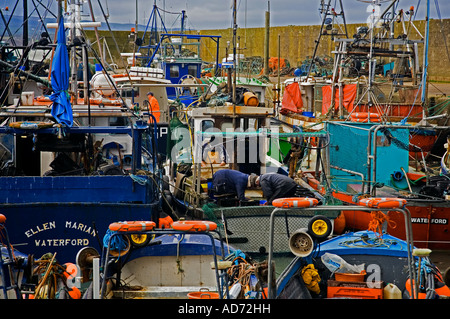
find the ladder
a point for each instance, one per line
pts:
(6, 263)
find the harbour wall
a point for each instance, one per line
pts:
(297, 43)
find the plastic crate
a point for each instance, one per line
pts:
(354, 290)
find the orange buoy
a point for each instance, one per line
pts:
(339, 224)
(383, 202)
(250, 99)
(75, 293)
(194, 225)
(290, 202)
(2, 219)
(165, 222)
(132, 226)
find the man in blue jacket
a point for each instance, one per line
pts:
(276, 186)
(228, 181)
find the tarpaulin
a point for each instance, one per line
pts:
(292, 99)
(347, 100)
(61, 108)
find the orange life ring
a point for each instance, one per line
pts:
(30, 125)
(364, 117)
(139, 225)
(290, 202)
(194, 225)
(383, 202)
(366, 120)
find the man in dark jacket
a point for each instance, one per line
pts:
(228, 181)
(276, 186)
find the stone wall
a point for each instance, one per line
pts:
(298, 42)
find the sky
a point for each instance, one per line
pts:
(217, 14)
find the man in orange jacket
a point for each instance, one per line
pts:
(154, 106)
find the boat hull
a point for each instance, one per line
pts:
(64, 214)
(430, 224)
(172, 266)
(384, 262)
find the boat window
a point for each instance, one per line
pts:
(225, 126)
(129, 93)
(174, 71)
(207, 124)
(192, 70)
(118, 121)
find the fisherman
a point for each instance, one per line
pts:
(276, 186)
(154, 106)
(228, 181)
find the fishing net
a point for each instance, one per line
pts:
(248, 227)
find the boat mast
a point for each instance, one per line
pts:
(425, 62)
(234, 57)
(234, 162)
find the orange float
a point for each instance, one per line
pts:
(75, 293)
(383, 202)
(302, 202)
(194, 225)
(365, 117)
(130, 226)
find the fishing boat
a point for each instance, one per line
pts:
(95, 160)
(381, 131)
(67, 177)
(369, 264)
(186, 260)
(176, 54)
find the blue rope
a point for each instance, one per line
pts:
(117, 242)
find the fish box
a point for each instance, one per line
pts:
(354, 290)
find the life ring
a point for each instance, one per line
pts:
(383, 202)
(139, 225)
(364, 117)
(30, 125)
(194, 225)
(366, 120)
(290, 202)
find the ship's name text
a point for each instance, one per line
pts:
(52, 225)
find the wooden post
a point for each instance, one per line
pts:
(266, 42)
